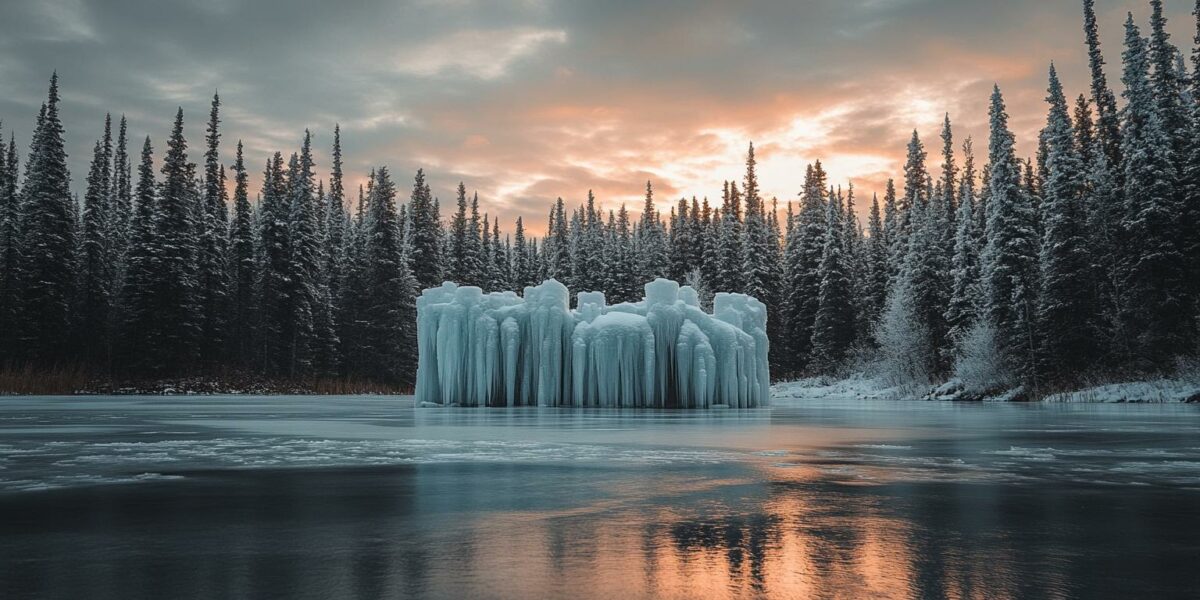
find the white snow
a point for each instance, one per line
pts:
(499, 349)
(1156, 390)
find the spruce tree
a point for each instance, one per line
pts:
(457, 268)
(1189, 176)
(1009, 260)
(521, 269)
(141, 324)
(806, 246)
(122, 201)
(759, 273)
(9, 240)
(389, 316)
(476, 268)
(680, 241)
(242, 265)
(1065, 307)
(949, 179)
(730, 275)
(926, 271)
(876, 277)
(93, 292)
(1155, 298)
(176, 301)
(833, 326)
(653, 256)
(46, 245)
(558, 245)
(709, 234)
(213, 252)
(309, 335)
(891, 228)
(963, 307)
(626, 284)
(426, 235)
(274, 287)
(1166, 83)
(1107, 123)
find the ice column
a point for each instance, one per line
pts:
(499, 349)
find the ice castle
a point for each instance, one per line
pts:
(500, 349)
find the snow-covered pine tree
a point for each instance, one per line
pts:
(176, 298)
(122, 201)
(537, 267)
(653, 255)
(338, 246)
(558, 245)
(626, 285)
(1065, 305)
(389, 316)
(1156, 303)
(93, 292)
(729, 275)
(949, 179)
(709, 252)
(1009, 260)
(1168, 87)
(476, 268)
(521, 269)
(501, 265)
(916, 192)
(963, 307)
(457, 266)
(1189, 175)
(806, 246)
(46, 244)
(9, 238)
(141, 342)
(875, 278)
(680, 241)
(833, 325)
(1108, 128)
(774, 266)
(426, 232)
(927, 269)
(759, 274)
(212, 270)
(313, 342)
(243, 269)
(891, 228)
(274, 288)
(588, 251)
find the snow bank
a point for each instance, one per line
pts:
(1158, 390)
(499, 349)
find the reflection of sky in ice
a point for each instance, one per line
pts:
(64, 442)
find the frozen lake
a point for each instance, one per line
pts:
(323, 497)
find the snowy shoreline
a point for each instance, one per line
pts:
(859, 387)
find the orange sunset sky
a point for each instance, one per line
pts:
(529, 100)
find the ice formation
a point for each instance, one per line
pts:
(500, 349)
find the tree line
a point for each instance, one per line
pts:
(1039, 271)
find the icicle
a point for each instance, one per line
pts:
(498, 349)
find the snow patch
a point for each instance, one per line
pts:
(1153, 391)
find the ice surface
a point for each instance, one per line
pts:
(499, 349)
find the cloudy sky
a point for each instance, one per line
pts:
(528, 100)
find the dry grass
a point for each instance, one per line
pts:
(67, 380)
(28, 380)
(341, 386)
